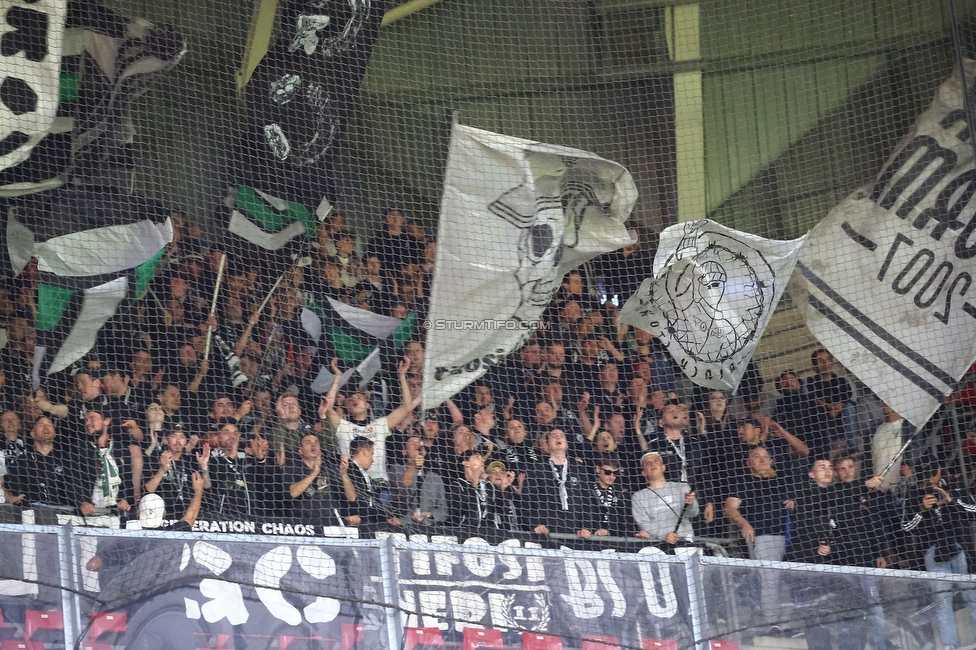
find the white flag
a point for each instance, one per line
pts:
(890, 270)
(30, 67)
(516, 216)
(713, 292)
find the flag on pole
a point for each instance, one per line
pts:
(93, 247)
(713, 292)
(516, 216)
(890, 269)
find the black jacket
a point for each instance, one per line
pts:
(859, 533)
(367, 505)
(542, 502)
(613, 509)
(813, 523)
(944, 527)
(243, 487)
(58, 479)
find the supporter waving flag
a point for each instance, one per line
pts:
(515, 217)
(94, 248)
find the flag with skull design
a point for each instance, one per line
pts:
(713, 292)
(516, 216)
(30, 58)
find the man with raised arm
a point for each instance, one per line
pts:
(358, 423)
(113, 554)
(169, 474)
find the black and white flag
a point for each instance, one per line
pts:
(890, 269)
(713, 292)
(516, 216)
(30, 65)
(94, 248)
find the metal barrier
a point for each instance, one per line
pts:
(198, 590)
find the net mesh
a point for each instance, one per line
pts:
(353, 268)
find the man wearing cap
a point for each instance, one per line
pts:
(503, 497)
(663, 510)
(417, 492)
(358, 424)
(113, 485)
(169, 474)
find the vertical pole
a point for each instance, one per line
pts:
(391, 592)
(70, 607)
(684, 44)
(696, 600)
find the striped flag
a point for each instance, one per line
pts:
(94, 248)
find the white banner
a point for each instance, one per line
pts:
(505, 241)
(713, 292)
(890, 270)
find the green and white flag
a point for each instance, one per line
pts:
(266, 221)
(355, 336)
(94, 249)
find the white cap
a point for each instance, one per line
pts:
(151, 511)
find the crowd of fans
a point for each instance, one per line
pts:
(588, 430)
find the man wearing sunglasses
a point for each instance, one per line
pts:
(611, 499)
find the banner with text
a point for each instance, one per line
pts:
(178, 590)
(890, 270)
(574, 597)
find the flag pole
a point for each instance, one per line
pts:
(273, 289)
(264, 358)
(213, 303)
(899, 453)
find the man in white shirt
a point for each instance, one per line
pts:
(357, 423)
(885, 443)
